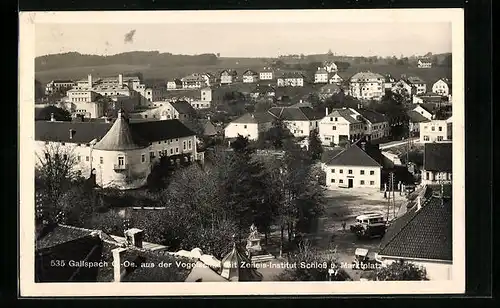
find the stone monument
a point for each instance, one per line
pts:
(253, 241)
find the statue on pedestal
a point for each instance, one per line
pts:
(253, 241)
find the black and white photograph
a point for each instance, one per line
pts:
(300, 152)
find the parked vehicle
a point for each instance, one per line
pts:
(365, 259)
(369, 225)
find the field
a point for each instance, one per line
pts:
(239, 64)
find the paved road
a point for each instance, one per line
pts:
(391, 144)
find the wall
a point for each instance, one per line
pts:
(441, 87)
(299, 128)
(266, 76)
(435, 270)
(342, 127)
(321, 78)
(435, 131)
(371, 89)
(432, 177)
(423, 112)
(356, 175)
(206, 95)
(250, 130)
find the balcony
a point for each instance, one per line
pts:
(120, 167)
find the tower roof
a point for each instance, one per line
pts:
(119, 137)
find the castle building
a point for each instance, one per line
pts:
(120, 154)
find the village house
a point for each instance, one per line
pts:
(330, 67)
(402, 87)
(74, 245)
(321, 75)
(300, 121)
(422, 236)
(210, 79)
(263, 91)
(205, 99)
(437, 167)
(266, 74)
(336, 79)
(425, 110)
(442, 87)
(120, 154)
(180, 110)
(436, 131)
(175, 84)
(352, 167)
(249, 125)
(338, 126)
(418, 85)
(155, 92)
(389, 82)
(375, 125)
(431, 98)
(58, 85)
(367, 86)
(424, 63)
(290, 79)
(414, 119)
(250, 76)
(227, 76)
(194, 81)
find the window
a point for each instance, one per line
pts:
(176, 150)
(334, 127)
(171, 151)
(143, 158)
(176, 139)
(151, 155)
(159, 142)
(440, 138)
(244, 126)
(184, 145)
(362, 172)
(332, 180)
(341, 171)
(87, 158)
(372, 172)
(341, 181)
(336, 119)
(426, 138)
(189, 144)
(362, 182)
(433, 128)
(349, 171)
(47, 155)
(372, 183)
(79, 158)
(63, 143)
(440, 129)
(333, 170)
(101, 161)
(121, 161)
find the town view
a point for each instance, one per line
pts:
(154, 166)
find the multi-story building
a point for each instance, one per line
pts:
(442, 87)
(290, 79)
(336, 79)
(339, 126)
(352, 167)
(154, 93)
(300, 121)
(249, 125)
(375, 125)
(436, 131)
(266, 74)
(194, 81)
(424, 63)
(175, 84)
(330, 67)
(119, 154)
(437, 167)
(418, 85)
(321, 75)
(389, 82)
(179, 110)
(227, 76)
(250, 76)
(367, 86)
(58, 85)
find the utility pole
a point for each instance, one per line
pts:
(393, 196)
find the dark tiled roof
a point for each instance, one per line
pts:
(414, 80)
(84, 132)
(416, 117)
(329, 154)
(295, 113)
(250, 73)
(183, 107)
(438, 156)
(353, 156)
(344, 113)
(291, 75)
(429, 107)
(371, 115)
(120, 138)
(263, 89)
(58, 235)
(423, 234)
(63, 81)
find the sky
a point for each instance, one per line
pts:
(247, 39)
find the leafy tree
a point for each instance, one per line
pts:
(45, 114)
(39, 91)
(401, 271)
(315, 147)
(278, 133)
(54, 175)
(78, 204)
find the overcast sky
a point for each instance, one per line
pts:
(247, 39)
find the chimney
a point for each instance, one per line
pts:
(134, 237)
(90, 80)
(117, 260)
(419, 205)
(326, 111)
(52, 118)
(71, 133)
(120, 79)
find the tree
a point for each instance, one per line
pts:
(39, 92)
(45, 114)
(401, 271)
(278, 133)
(321, 272)
(54, 175)
(315, 147)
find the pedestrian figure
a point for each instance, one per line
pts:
(343, 225)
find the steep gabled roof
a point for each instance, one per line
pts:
(371, 115)
(250, 73)
(422, 234)
(295, 113)
(416, 117)
(438, 156)
(343, 113)
(258, 117)
(183, 107)
(353, 156)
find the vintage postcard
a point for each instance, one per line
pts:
(242, 152)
